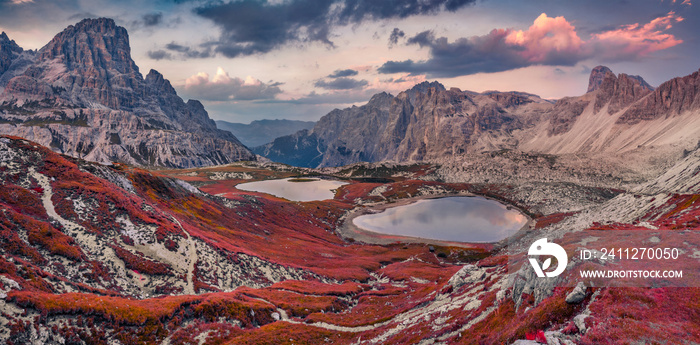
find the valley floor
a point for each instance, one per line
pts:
(94, 254)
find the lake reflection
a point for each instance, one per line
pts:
(315, 189)
(460, 219)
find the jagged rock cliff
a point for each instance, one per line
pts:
(671, 99)
(9, 50)
(430, 123)
(13, 59)
(84, 96)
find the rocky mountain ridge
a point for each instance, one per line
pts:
(431, 123)
(83, 95)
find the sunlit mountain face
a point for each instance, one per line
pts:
(349, 172)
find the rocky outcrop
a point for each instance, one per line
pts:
(13, 60)
(9, 50)
(596, 78)
(620, 91)
(424, 122)
(564, 113)
(672, 98)
(84, 96)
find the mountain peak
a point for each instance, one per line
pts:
(9, 50)
(424, 86)
(379, 97)
(597, 76)
(102, 24)
(98, 43)
(86, 73)
(643, 83)
(7, 44)
(158, 82)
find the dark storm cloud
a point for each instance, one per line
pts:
(343, 73)
(464, 56)
(188, 52)
(357, 10)
(251, 26)
(396, 34)
(341, 84)
(159, 55)
(152, 19)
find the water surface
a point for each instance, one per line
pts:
(460, 219)
(308, 190)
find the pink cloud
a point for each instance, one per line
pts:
(551, 41)
(546, 37)
(637, 40)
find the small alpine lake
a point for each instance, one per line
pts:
(295, 189)
(455, 219)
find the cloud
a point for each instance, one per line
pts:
(224, 88)
(159, 55)
(252, 26)
(341, 83)
(631, 41)
(333, 97)
(357, 10)
(188, 52)
(551, 41)
(396, 34)
(343, 73)
(361, 95)
(152, 19)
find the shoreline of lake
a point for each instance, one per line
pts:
(349, 230)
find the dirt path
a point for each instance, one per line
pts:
(86, 241)
(192, 248)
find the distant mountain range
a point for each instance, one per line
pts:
(83, 95)
(261, 132)
(430, 123)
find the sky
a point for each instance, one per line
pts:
(299, 59)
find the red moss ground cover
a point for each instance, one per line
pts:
(554, 218)
(286, 333)
(651, 316)
(140, 263)
(404, 271)
(296, 305)
(513, 325)
(318, 288)
(301, 235)
(296, 234)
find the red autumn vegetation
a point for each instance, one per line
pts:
(139, 263)
(374, 285)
